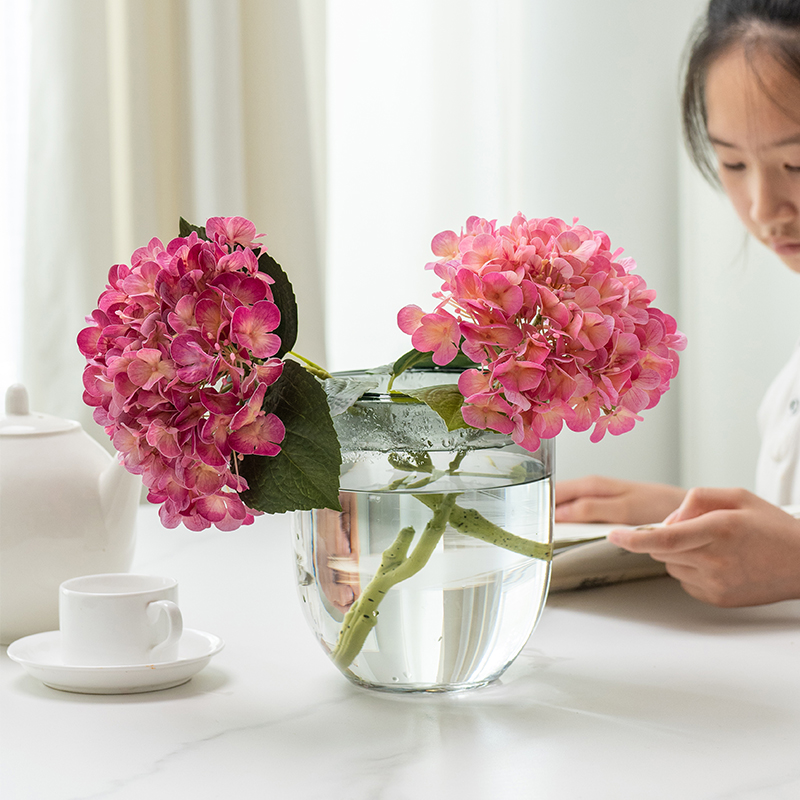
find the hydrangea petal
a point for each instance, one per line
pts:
(252, 328)
(261, 437)
(232, 230)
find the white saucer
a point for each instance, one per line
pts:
(40, 656)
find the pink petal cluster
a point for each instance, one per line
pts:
(179, 358)
(563, 329)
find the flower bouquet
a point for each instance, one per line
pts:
(537, 324)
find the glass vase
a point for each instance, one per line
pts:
(435, 573)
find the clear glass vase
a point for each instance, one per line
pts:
(435, 573)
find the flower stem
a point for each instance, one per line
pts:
(471, 523)
(314, 369)
(396, 565)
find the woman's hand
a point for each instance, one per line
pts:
(727, 547)
(596, 499)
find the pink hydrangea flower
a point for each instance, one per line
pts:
(179, 357)
(563, 329)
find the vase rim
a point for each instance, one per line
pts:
(390, 425)
(377, 395)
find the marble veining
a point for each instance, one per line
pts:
(622, 692)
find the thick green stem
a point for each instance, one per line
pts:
(471, 523)
(396, 565)
(314, 369)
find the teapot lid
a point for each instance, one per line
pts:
(19, 421)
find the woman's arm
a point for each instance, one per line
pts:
(727, 547)
(598, 499)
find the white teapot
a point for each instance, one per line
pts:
(67, 508)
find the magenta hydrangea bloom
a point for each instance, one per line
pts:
(179, 357)
(563, 330)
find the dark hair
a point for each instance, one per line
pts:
(771, 26)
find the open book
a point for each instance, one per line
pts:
(584, 558)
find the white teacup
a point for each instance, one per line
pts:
(119, 619)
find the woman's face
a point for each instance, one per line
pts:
(758, 147)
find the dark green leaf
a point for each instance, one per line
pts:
(305, 474)
(185, 229)
(445, 400)
(408, 360)
(462, 362)
(284, 298)
(413, 359)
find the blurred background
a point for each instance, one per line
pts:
(351, 132)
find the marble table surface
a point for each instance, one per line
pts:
(627, 691)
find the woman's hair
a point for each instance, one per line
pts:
(767, 26)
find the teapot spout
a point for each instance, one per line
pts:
(119, 498)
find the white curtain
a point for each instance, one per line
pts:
(14, 94)
(143, 111)
(352, 131)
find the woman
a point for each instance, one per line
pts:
(741, 115)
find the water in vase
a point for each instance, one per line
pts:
(465, 615)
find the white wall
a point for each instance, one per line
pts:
(739, 307)
(439, 109)
(433, 110)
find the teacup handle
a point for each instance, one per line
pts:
(174, 621)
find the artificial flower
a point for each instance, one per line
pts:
(561, 329)
(179, 358)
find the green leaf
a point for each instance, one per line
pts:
(462, 362)
(408, 360)
(413, 359)
(284, 298)
(445, 400)
(411, 462)
(185, 229)
(305, 474)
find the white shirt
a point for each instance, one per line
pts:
(778, 466)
